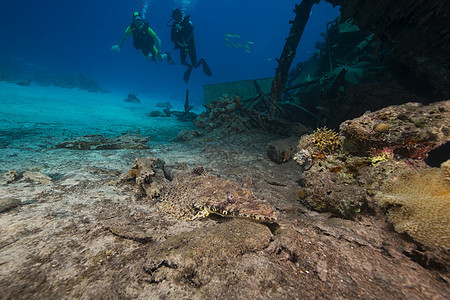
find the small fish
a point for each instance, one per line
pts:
(269, 59)
(227, 39)
(228, 45)
(248, 51)
(250, 42)
(246, 47)
(231, 35)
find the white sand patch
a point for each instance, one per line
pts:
(53, 105)
(33, 119)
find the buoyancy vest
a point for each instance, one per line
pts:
(185, 34)
(141, 37)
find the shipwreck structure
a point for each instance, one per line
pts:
(374, 55)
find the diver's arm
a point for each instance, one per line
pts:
(124, 37)
(158, 43)
(189, 33)
(155, 37)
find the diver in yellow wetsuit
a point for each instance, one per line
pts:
(144, 39)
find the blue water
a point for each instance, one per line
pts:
(76, 36)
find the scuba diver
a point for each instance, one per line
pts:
(182, 35)
(145, 39)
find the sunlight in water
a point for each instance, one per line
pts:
(185, 4)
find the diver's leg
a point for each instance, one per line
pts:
(158, 55)
(147, 54)
(183, 56)
(193, 53)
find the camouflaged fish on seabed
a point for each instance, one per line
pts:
(196, 194)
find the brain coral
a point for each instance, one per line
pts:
(420, 205)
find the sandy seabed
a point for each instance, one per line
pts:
(80, 237)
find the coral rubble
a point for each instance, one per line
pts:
(99, 142)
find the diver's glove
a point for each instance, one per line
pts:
(115, 48)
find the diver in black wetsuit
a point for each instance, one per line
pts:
(182, 36)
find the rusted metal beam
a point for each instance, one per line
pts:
(302, 12)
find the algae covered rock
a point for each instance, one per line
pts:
(333, 189)
(210, 261)
(281, 151)
(100, 142)
(8, 203)
(409, 130)
(146, 177)
(343, 171)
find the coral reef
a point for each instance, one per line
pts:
(304, 159)
(81, 238)
(322, 141)
(343, 180)
(223, 115)
(409, 130)
(419, 204)
(335, 192)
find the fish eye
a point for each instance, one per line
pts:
(231, 197)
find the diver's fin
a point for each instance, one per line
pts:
(206, 68)
(187, 74)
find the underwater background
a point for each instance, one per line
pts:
(113, 186)
(76, 36)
